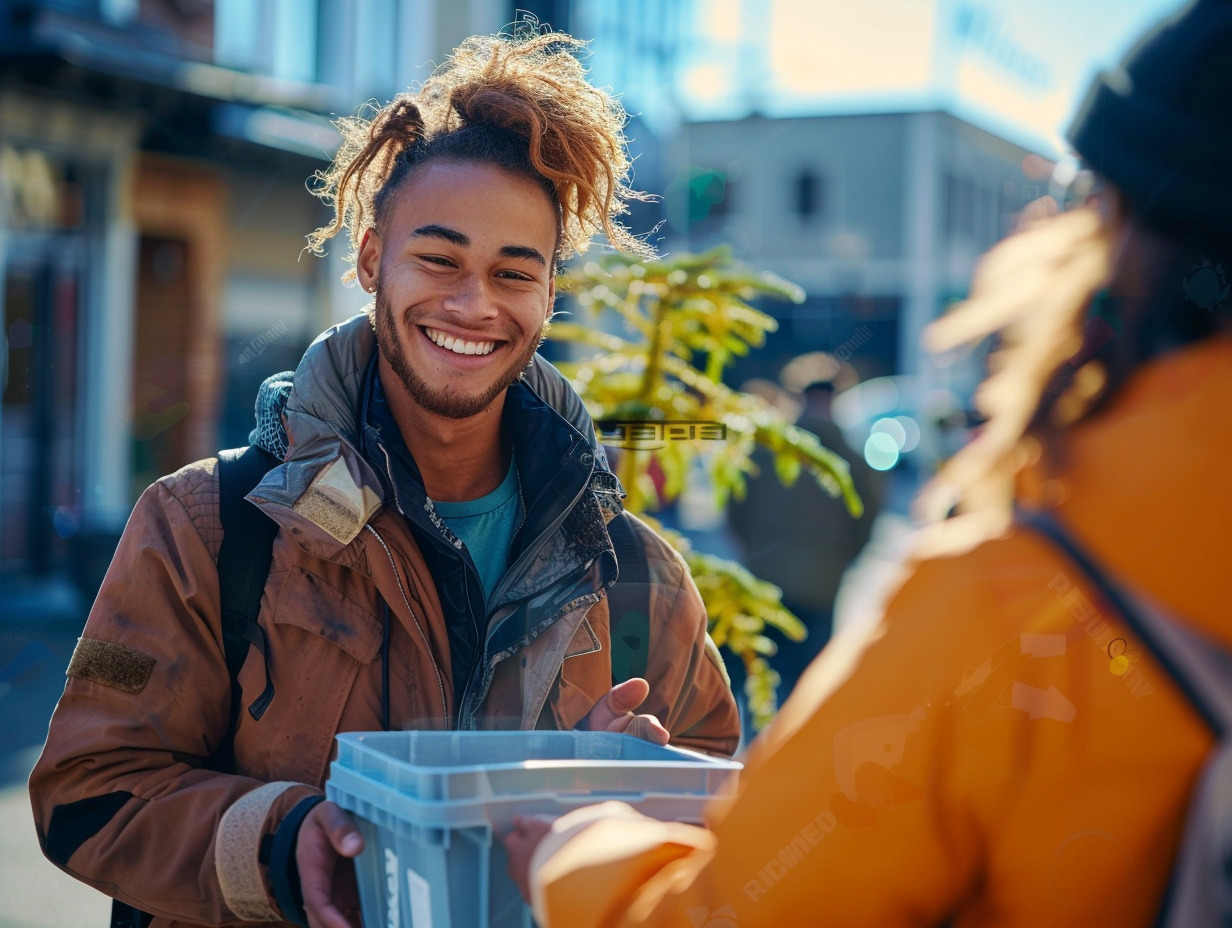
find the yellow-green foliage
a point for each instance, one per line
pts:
(684, 322)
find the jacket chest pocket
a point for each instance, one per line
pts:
(316, 644)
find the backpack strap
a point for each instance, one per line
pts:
(629, 602)
(1199, 667)
(125, 916)
(243, 566)
(1200, 889)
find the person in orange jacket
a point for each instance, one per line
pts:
(998, 748)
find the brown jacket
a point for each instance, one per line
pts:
(122, 798)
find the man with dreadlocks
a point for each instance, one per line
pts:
(443, 554)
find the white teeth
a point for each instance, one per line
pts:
(458, 345)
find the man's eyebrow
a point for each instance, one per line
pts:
(453, 236)
(524, 251)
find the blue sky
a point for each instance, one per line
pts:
(1017, 67)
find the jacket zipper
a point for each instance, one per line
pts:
(389, 471)
(470, 672)
(469, 608)
(539, 541)
(440, 683)
(521, 503)
(482, 640)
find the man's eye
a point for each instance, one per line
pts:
(436, 259)
(515, 275)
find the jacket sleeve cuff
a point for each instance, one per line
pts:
(239, 848)
(283, 871)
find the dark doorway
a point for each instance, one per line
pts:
(40, 503)
(160, 356)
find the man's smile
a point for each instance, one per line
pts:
(458, 345)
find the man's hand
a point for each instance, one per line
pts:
(614, 712)
(520, 843)
(327, 838)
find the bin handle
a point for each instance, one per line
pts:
(574, 799)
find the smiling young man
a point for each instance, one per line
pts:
(443, 557)
(463, 274)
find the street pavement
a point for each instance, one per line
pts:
(38, 627)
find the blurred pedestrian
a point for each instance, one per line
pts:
(799, 537)
(1001, 748)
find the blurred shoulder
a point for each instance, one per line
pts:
(989, 577)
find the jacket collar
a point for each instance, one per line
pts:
(326, 490)
(563, 528)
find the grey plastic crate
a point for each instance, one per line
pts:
(431, 805)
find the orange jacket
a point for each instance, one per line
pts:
(977, 755)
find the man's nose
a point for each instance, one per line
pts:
(470, 298)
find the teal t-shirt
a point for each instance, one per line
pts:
(486, 526)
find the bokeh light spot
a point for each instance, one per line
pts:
(881, 451)
(912, 431)
(894, 429)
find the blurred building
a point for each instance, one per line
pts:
(879, 217)
(153, 157)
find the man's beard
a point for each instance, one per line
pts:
(442, 401)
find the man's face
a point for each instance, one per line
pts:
(464, 283)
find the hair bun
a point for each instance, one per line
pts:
(401, 122)
(490, 106)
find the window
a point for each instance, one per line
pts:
(961, 204)
(278, 38)
(809, 194)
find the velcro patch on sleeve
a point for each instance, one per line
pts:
(111, 665)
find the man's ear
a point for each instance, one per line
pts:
(551, 298)
(368, 260)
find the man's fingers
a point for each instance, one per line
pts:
(328, 917)
(526, 832)
(326, 835)
(614, 712)
(627, 696)
(343, 834)
(318, 904)
(648, 728)
(520, 844)
(619, 702)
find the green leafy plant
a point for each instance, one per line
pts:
(683, 322)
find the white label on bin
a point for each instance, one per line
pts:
(392, 912)
(421, 899)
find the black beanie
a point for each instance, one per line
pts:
(1159, 127)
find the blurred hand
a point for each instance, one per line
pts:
(327, 839)
(520, 843)
(614, 712)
